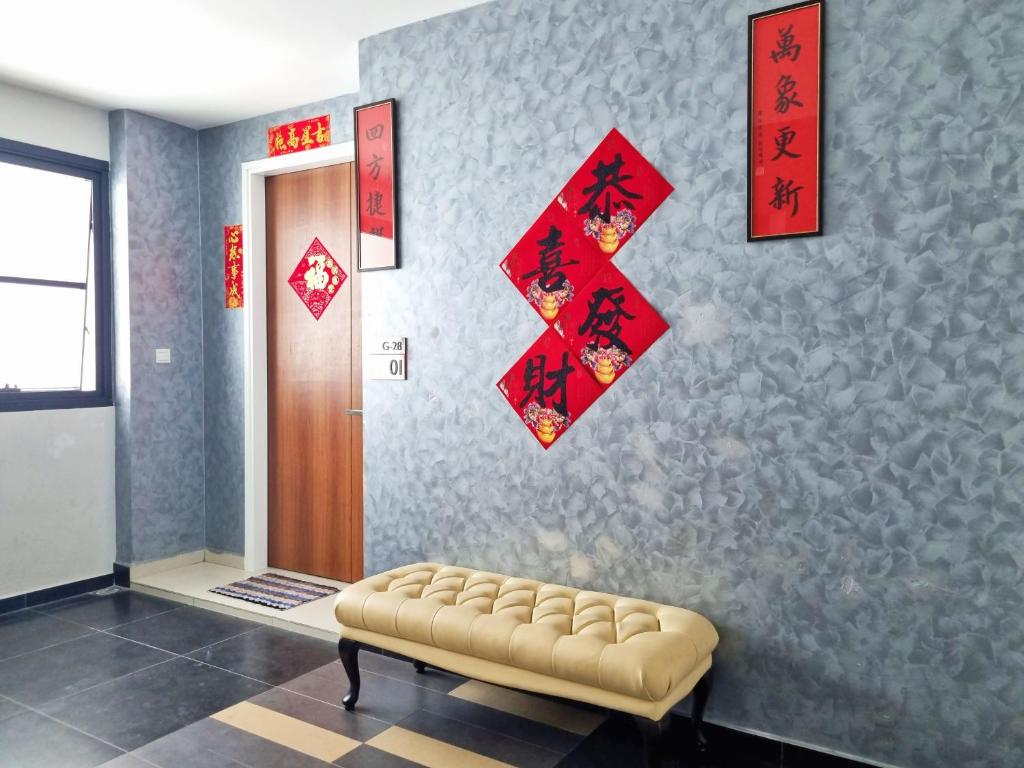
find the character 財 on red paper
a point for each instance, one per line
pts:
(610, 325)
(548, 389)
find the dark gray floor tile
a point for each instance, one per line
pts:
(368, 757)
(380, 697)
(106, 611)
(42, 676)
(531, 731)
(242, 746)
(29, 630)
(127, 761)
(487, 743)
(268, 654)
(185, 629)
(181, 749)
(144, 706)
(30, 740)
(435, 679)
(332, 717)
(9, 708)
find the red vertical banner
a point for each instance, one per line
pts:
(234, 297)
(785, 121)
(299, 136)
(376, 185)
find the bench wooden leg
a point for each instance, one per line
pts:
(700, 700)
(348, 650)
(653, 732)
(421, 666)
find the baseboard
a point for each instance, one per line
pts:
(792, 747)
(48, 595)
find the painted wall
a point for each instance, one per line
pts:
(160, 455)
(56, 497)
(56, 467)
(48, 121)
(221, 152)
(824, 453)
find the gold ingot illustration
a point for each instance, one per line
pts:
(609, 240)
(546, 430)
(549, 306)
(605, 371)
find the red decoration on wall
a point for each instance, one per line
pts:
(317, 278)
(600, 323)
(613, 193)
(299, 136)
(234, 296)
(609, 326)
(376, 187)
(548, 389)
(785, 124)
(552, 262)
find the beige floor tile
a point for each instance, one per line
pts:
(429, 752)
(287, 731)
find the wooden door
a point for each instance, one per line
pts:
(314, 378)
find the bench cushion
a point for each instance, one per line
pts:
(633, 647)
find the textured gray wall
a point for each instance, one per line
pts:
(221, 151)
(824, 453)
(159, 437)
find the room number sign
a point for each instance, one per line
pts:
(385, 359)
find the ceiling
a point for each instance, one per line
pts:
(197, 62)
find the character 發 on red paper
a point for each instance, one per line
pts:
(610, 325)
(551, 262)
(613, 193)
(548, 389)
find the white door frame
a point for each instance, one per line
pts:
(254, 280)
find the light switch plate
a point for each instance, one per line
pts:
(163, 356)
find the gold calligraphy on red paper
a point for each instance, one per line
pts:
(317, 278)
(233, 293)
(299, 136)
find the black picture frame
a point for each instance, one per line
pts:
(394, 184)
(751, 19)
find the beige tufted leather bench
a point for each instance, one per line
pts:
(629, 655)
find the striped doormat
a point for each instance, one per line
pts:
(275, 590)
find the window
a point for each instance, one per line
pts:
(55, 316)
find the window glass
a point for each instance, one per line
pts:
(45, 224)
(41, 337)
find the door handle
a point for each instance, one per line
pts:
(353, 411)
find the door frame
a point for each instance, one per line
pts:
(254, 282)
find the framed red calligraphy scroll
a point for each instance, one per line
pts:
(376, 141)
(234, 296)
(785, 121)
(299, 136)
